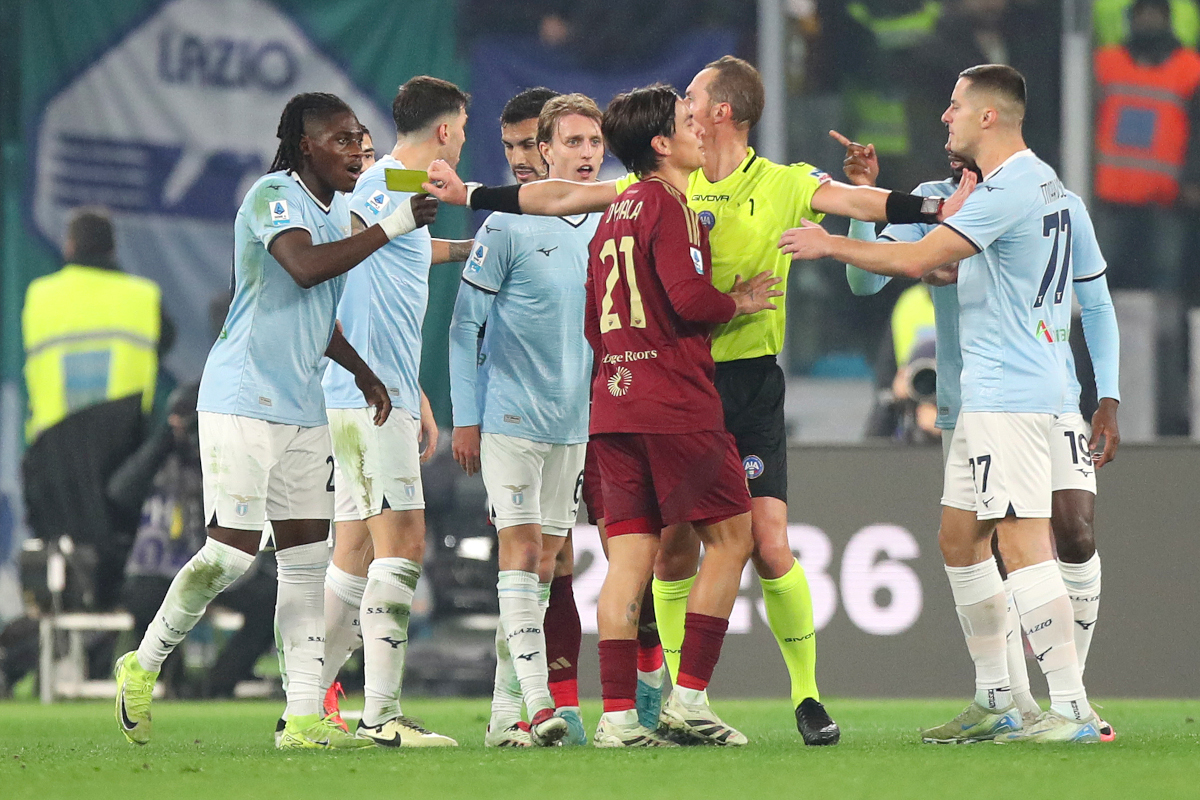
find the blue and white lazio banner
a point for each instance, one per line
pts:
(168, 129)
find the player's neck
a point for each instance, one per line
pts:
(415, 155)
(676, 176)
(315, 185)
(725, 153)
(995, 153)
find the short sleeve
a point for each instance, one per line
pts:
(625, 182)
(277, 206)
(1087, 261)
(490, 259)
(803, 182)
(371, 201)
(989, 212)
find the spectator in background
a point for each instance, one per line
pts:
(93, 336)
(1147, 113)
(92, 332)
(1111, 21)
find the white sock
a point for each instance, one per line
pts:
(982, 612)
(343, 598)
(1041, 599)
(301, 620)
(653, 679)
(386, 606)
(506, 693)
(691, 697)
(1083, 588)
(522, 621)
(205, 576)
(1018, 670)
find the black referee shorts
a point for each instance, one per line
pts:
(751, 391)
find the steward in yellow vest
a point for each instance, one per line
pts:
(91, 332)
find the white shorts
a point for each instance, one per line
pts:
(1070, 460)
(381, 464)
(344, 507)
(256, 470)
(999, 464)
(532, 483)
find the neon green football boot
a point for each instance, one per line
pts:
(314, 732)
(135, 686)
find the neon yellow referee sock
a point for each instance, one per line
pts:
(670, 609)
(790, 615)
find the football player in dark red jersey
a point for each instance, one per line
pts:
(657, 424)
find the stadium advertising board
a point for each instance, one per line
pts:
(864, 524)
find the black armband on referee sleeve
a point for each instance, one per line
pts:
(904, 209)
(496, 198)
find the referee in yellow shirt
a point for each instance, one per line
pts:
(745, 202)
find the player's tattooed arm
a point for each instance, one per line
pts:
(341, 351)
(450, 251)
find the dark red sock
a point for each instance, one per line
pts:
(618, 674)
(563, 635)
(702, 639)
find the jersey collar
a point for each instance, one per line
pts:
(1007, 161)
(296, 177)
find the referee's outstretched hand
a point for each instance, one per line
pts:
(444, 184)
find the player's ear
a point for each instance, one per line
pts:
(443, 133)
(544, 149)
(661, 145)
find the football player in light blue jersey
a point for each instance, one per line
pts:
(1014, 318)
(1072, 440)
(521, 395)
(378, 565)
(263, 432)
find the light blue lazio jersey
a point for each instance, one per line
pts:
(530, 375)
(945, 311)
(266, 362)
(1015, 297)
(1099, 319)
(384, 304)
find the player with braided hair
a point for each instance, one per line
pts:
(263, 428)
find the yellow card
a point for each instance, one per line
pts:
(405, 180)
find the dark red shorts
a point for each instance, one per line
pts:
(593, 494)
(651, 480)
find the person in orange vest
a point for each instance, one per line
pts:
(1147, 115)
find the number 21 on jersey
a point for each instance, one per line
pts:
(620, 253)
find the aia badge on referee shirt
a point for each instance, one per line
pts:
(754, 466)
(707, 219)
(697, 260)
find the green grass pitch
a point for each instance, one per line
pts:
(224, 751)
